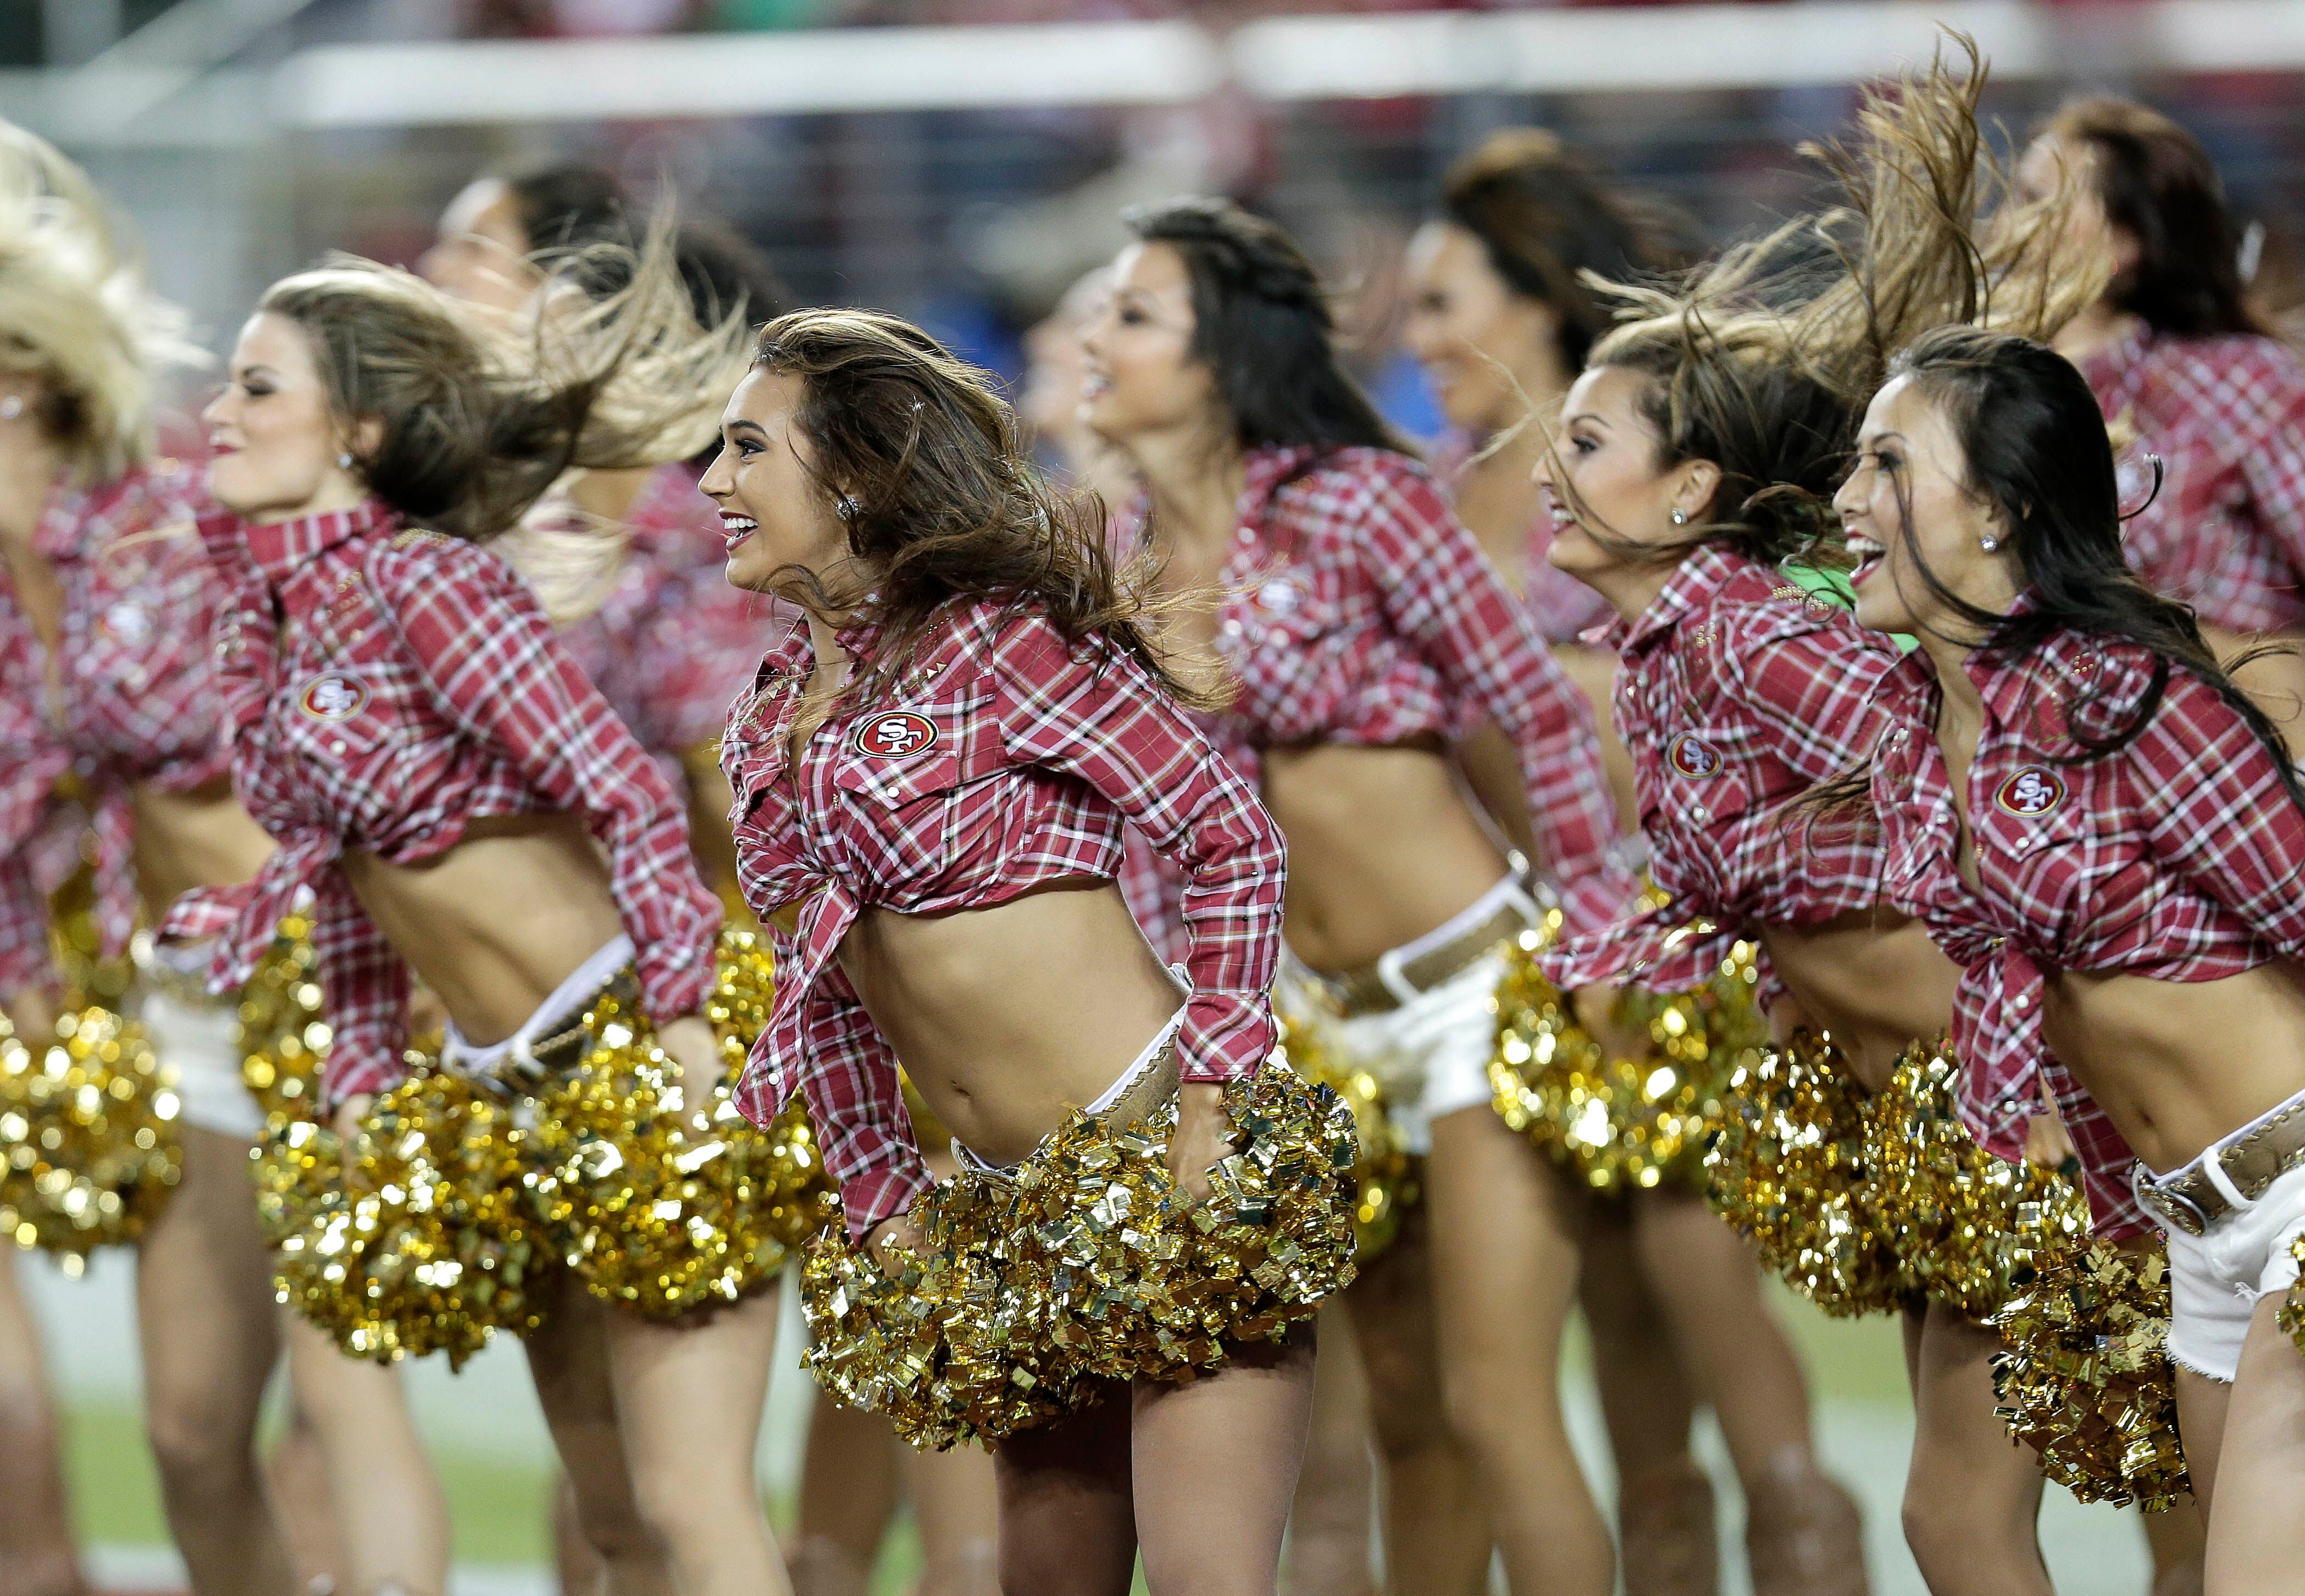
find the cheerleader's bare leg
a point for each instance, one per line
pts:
(210, 1335)
(391, 1513)
(1505, 1266)
(1436, 1530)
(848, 1496)
(955, 1507)
(2255, 1463)
(36, 1555)
(1330, 1525)
(1973, 1491)
(1068, 1509)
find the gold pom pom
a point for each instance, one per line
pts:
(1788, 1169)
(2291, 1312)
(428, 1247)
(283, 1034)
(1390, 1178)
(1949, 1208)
(2084, 1377)
(1621, 1124)
(88, 1140)
(653, 1213)
(1086, 1262)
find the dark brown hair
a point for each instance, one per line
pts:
(929, 470)
(2159, 186)
(477, 419)
(1547, 214)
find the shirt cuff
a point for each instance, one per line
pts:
(881, 1194)
(342, 1077)
(674, 981)
(1598, 898)
(1225, 1037)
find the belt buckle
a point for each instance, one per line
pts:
(2178, 1208)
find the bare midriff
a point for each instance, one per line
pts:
(1010, 1017)
(1384, 846)
(193, 839)
(1873, 979)
(495, 923)
(2178, 1064)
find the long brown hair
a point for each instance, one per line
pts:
(478, 418)
(929, 471)
(2159, 186)
(1763, 361)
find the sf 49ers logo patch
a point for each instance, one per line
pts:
(1692, 755)
(898, 735)
(2032, 792)
(339, 695)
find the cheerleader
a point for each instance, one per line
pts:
(932, 774)
(1693, 462)
(2187, 372)
(423, 753)
(1359, 625)
(105, 671)
(1502, 319)
(2105, 832)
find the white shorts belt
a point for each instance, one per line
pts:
(2217, 1278)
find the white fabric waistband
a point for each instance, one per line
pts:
(567, 999)
(1127, 1078)
(1507, 891)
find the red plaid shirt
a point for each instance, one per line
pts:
(138, 702)
(2227, 415)
(385, 688)
(1006, 759)
(1739, 692)
(1357, 609)
(2176, 859)
(673, 643)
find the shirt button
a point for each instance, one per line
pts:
(335, 748)
(1699, 813)
(2017, 1002)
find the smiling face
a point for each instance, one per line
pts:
(1485, 349)
(1143, 378)
(773, 511)
(1606, 475)
(273, 441)
(1907, 505)
(482, 254)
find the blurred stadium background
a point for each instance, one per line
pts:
(961, 162)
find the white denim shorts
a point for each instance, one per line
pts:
(1430, 1056)
(197, 1039)
(2216, 1279)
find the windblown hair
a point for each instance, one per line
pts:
(76, 313)
(2158, 185)
(929, 472)
(1764, 368)
(2034, 447)
(1263, 325)
(479, 418)
(1547, 216)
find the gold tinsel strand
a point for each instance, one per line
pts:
(1621, 1124)
(653, 1212)
(1787, 1168)
(283, 1033)
(2291, 1312)
(427, 1244)
(2084, 1377)
(88, 1144)
(1948, 1208)
(1086, 1262)
(1388, 1179)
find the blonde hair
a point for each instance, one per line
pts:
(75, 312)
(478, 416)
(1763, 361)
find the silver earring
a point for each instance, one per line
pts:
(848, 509)
(345, 461)
(1988, 543)
(1680, 517)
(11, 407)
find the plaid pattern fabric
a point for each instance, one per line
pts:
(1357, 609)
(133, 700)
(672, 644)
(384, 687)
(2227, 415)
(1741, 691)
(2176, 859)
(1006, 758)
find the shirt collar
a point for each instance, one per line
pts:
(284, 548)
(1709, 568)
(2066, 664)
(1264, 470)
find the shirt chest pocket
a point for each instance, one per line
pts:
(1704, 777)
(342, 717)
(939, 739)
(2035, 843)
